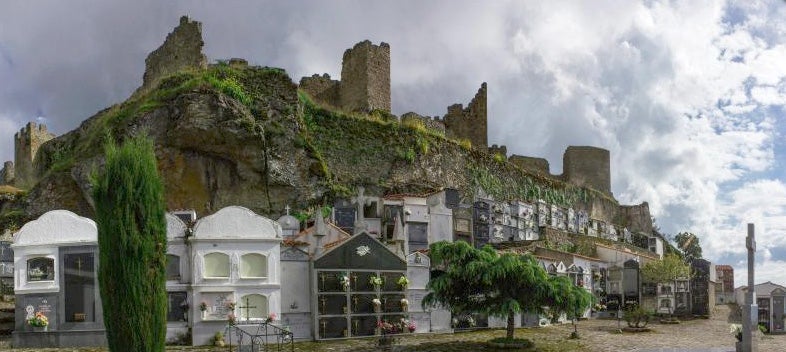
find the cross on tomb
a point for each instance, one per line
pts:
(287, 208)
(78, 262)
(247, 307)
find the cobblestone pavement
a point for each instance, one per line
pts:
(700, 335)
(693, 335)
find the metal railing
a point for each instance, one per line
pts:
(259, 337)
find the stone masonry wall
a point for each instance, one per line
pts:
(181, 49)
(7, 174)
(434, 124)
(469, 123)
(321, 88)
(637, 218)
(498, 149)
(588, 167)
(539, 166)
(365, 77)
(26, 144)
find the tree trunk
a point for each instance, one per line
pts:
(511, 324)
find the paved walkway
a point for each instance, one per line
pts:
(710, 335)
(701, 335)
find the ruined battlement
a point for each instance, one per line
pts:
(181, 49)
(538, 166)
(364, 84)
(637, 218)
(587, 167)
(365, 77)
(501, 150)
(7, 173)
(469, 123)
(26, 144)
(433, 123)
(323, 89)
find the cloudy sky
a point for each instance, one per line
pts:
(688, 96)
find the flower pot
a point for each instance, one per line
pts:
(738, 346)
(40, 328)
(204, 314)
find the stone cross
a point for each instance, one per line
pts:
(247, 307)
(750, 309)
(287, 208)
(360, 201)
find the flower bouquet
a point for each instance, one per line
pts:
(39, 320)
(403, 282)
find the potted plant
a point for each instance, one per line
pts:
(231, 319)
(344, 279)
(375, 281)
(403, 282)
(203, 309)
(736, 330)
(39, 322)
(218, 339)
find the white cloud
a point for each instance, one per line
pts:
(681, 93)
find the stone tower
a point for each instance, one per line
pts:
(365, 77)
(470, 123)
(26, 144)
(181, 49)
(588, 167)
(7, 174)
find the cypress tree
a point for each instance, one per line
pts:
(130, 214)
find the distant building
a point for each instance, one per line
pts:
(724, 289)
(770, 299)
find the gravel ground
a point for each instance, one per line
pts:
(700, 335)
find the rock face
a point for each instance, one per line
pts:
(212, 150)
(233, 134)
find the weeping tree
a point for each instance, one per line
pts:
(129, 203)
(483, 280)
(566, 298)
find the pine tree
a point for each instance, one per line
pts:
(130, 214)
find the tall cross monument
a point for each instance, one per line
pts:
(750, 310)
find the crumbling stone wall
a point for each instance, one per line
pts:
(26, 144)
(538, 166)
(501, 150)
(469, 123)
(587, 167)
(7, 174)
(365, 80)
(434, 123)
(365, 77)
(321, 88)
(181, 49)
(637, 218)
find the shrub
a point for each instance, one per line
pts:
(637, 317)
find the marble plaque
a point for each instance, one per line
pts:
(415, 298)
(217, 304)
(298, 323)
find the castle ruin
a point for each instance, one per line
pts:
(21, 172)
(182, 49)
(365, 80)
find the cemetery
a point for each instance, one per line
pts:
(348, 254)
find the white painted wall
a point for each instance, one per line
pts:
(42, 238)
